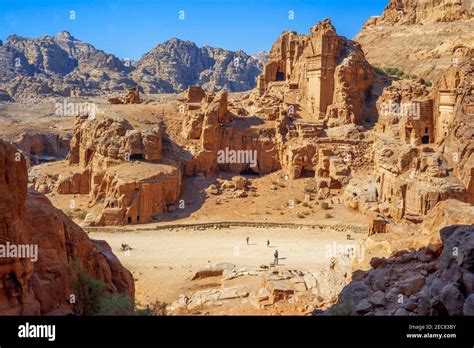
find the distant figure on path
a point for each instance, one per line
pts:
(248, 240)
(268, 243)
(276, 257)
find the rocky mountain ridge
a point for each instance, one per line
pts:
(64, 66)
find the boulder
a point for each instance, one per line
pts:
(363, 307)
(468, 308)
(378, 299)
(452, 299)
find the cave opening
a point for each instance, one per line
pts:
(280, 76)
(136, 157)
(249, 171)
(129, 220)
(425, 139)
(307, 173)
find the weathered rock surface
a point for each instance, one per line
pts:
(405, 236)
(119, 167)
(64, 66)
(176, 64)
(41, 147)
(418, 36)
(131, 97)
(409, 283)
(43, 286)
(422, 149)
(276, 286)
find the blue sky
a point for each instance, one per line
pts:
(130, 28)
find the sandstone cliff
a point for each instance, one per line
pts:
(43, 286)
(418, 36)
(119, 167)
(422, 150)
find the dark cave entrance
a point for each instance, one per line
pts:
(307, 173)
(280, 76)
(136, 157)
(249, 171)
(425, 139)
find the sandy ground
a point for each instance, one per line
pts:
(163, 261)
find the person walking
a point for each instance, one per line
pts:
(276, 257)
(268, 243)
(248, 240)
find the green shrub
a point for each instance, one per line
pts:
(94, 299)
(79, 215)
(115, 304)
(88, 290)
(379, 71)
(393, 71)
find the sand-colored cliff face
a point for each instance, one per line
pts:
(423, 149)
(453, 113)
(119, 168)
(328, 72)
(310, 82)
(42, 286)
(418, 36)
(422, 11)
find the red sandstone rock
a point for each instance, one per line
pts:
(43, 287)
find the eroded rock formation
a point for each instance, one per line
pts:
(43, 286)
(40, 147)
(303, 115)
(434, 280)
(418, 36)
(423, 148)
(327, 72)
(119, 168)
(131, 97)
